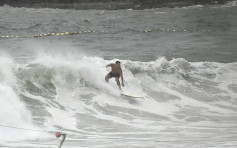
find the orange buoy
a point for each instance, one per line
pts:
(58, 134)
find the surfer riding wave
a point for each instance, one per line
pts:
(116, 72)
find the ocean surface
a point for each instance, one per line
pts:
(183, 61)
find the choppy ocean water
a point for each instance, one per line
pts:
(182, 60)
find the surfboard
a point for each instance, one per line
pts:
(130, 95)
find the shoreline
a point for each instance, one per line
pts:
(111, 5)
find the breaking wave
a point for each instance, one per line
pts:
(59, 93)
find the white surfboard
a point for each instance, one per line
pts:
(130, 95)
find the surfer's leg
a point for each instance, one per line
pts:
(118, 83)
(107, 77)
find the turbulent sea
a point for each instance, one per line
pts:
(183, 61)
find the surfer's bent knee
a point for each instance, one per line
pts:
(117, 80)
(107, 78)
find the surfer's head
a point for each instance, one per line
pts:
(117, 62)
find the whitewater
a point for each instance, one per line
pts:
(181, 60)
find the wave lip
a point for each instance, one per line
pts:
(13, 112)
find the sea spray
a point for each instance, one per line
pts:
(14, 114)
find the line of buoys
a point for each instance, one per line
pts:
(49, 34)
(90, 31)
(179, 30)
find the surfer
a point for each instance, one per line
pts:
(116, 72)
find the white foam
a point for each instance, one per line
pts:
(62, 119)
(13, 112)
(231, 4)
(76, 77)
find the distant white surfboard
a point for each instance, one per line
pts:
(130, 95)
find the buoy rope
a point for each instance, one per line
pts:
(58, 134)
(23, 128)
